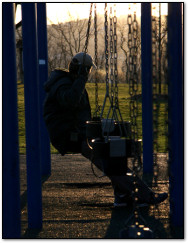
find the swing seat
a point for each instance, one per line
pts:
(125, 128)
(116, 147)
(112, 154)
(93, 129)
(96, 127)
(116, 128)
(107, 145)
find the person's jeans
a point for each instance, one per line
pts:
(122, 184)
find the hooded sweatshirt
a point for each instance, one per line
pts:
(66, 106)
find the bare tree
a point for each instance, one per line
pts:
(64, 41)
(125, 51)
(19, 52)
(67, 39)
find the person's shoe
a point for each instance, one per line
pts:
(155, 199)
(158, 198)
(124, 200)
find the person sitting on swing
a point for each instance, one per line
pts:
(66, 110)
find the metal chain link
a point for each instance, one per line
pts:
(133, 104)
(113, 98)
(106, 49)
(166, 81)
(133, 79)
(106, 57)
(156, 106)
(168, 148)
(97, 107)
(159, 59)
(111, 57)
(115, 60)
(87, 34)
(117, 113)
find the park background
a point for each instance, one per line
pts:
(66, 29)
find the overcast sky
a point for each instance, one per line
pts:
(59, 12)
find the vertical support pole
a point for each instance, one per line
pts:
(147, 117)
(30, 57)
(10, 167)
(176, 113)
(43, 75)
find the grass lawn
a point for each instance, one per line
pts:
(123, 104)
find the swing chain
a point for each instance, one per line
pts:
(113, 111)
(106, 49)
(129, 21)
(111, 57)
(165, 85)
(87, 34)
(155, 41)
(106, 58)
(133, 79)
(133, 76)
(97, 107)
(115, 59)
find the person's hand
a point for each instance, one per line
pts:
(83, 71)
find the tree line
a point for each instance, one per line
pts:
(67, 39)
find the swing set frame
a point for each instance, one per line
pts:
(11, 184)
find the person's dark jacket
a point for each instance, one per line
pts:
(66, 107)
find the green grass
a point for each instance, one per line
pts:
(21, 118)
(123, 91)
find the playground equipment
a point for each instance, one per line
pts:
(33, 131)
(32, 70)
(43, 75)
(111, 134)
(11, 184)
(175, 91)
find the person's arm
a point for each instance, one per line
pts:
(69, 96)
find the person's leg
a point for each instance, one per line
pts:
(123, 184)
(126, 184)
(64, 145)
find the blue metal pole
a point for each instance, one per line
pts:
(147, 108)
(176, 114)
(10, 167)
(43, 75)
(30, 57)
